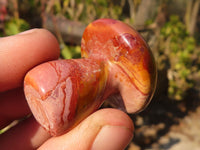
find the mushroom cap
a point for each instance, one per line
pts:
(131, 63)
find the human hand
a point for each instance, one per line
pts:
(104, 129)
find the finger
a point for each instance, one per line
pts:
(20, 53)
(106, 129)
(27, 135)
(13, 106)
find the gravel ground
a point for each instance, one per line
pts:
(168, 125)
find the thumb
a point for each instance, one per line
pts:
(107, 129)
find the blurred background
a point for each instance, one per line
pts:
(170, 27)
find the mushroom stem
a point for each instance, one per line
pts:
(62, 91)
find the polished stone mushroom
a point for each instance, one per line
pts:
(116, 65)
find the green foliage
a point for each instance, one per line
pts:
(1, 34)
(149, 22)
(1, 131)
(180, 52)
(68, 52)
(15, 26)
(88, 10)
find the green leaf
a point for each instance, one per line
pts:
(66, 53)
(15, 26)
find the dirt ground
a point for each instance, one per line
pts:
(168, 125)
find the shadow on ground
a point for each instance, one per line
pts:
(162, 118)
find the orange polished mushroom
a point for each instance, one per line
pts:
(116, 65)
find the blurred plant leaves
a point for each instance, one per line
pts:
(179, 48)
(15, 26)
(69, 52)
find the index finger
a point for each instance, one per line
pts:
(20, 53)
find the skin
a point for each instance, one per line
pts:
(19, 54)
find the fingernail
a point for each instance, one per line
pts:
(112, 138)
(27, 32)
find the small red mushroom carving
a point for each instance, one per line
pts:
(116, 64)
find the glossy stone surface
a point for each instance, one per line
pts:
(116, 64)
(131, 64)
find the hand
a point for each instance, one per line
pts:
(105, 129)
